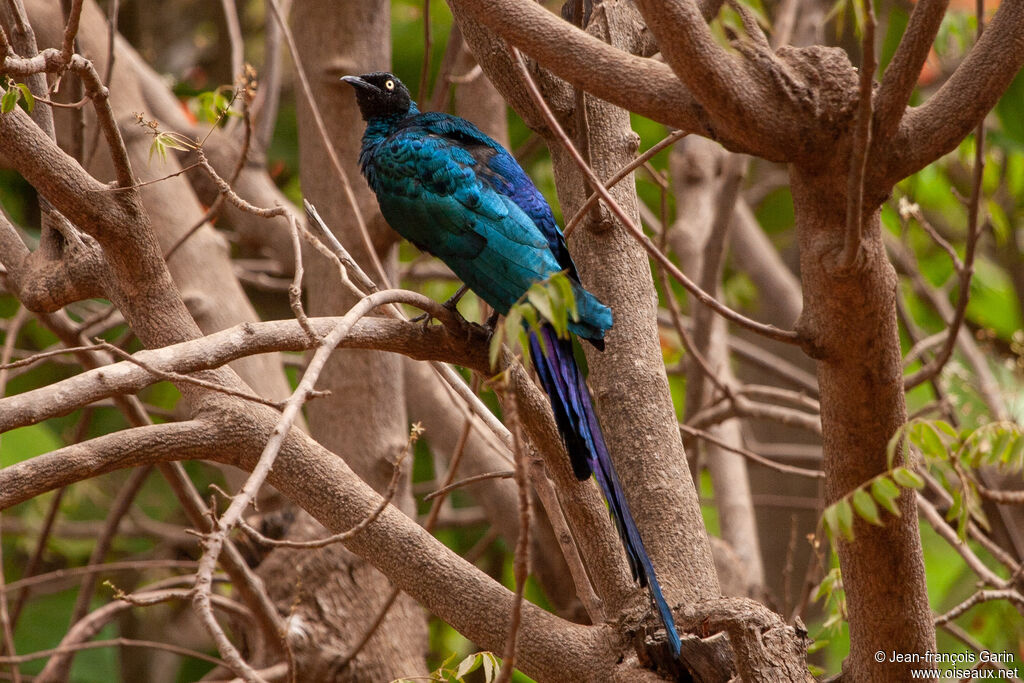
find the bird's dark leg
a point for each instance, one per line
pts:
(451, 305)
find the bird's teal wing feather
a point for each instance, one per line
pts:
(430, 192)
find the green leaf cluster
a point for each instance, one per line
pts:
(949, 455)
(551, 300)
(14, 93)
(456, 673)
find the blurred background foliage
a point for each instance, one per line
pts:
(186, 40)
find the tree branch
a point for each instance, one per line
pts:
(904, 70)
(927, 132)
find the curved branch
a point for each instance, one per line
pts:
(643, 85)
(138, 446)
(905, 68)
(740, 103)
(937, 127)
(413, 340)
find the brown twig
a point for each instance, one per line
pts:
(112, 642)
(6, 629)
(118, 509)
(71, 31)
(770, 331)
(214, 210)
(468, 481)
(178, 377)
(852, 251)
(365, 522)
(522, 552)
(1012, 595)
(346, 186)
(964, 270)
(760, 459)
(669, 140)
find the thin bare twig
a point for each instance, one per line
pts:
(234, 35)
(214, 210)
(5, 619)
(853, 246)
(468, 481)
(118, 509)
(71, 30)
(1012, 595)
(112, 642)
(346, 186)
(389, 494)
(178, 377)
(760, 459)
(770, 331)
(669, 140)
(965, 270)
(522, 552)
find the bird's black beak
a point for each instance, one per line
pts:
(357, 82)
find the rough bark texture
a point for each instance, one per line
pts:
(852, 322)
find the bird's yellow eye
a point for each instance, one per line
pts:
(389, 84)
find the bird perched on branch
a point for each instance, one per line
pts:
(456, 193)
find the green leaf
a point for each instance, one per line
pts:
(538, 296)
(946, 428)
(816, 645)
(844, 513)
(907, 478)
(564, 286)
(929, 440)
(30, 99)
(9, 100)
(886, 493)
(865, 507)
(893, 447)
(530, 316)
(830, 518)
(495, 348)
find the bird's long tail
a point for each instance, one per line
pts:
(578, 425)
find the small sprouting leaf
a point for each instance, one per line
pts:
(816, 645)
(158, 147)
(886, 493)
(175, 142)
(30, 99)
(9, 100)
(830, 518)
(561, 281)
(929, 440)
(844, 514)
(530, 316)
(490, 666)
(524, 344)
(495, 348)
(907, 478)
(468, 664)
(947, 428)
(956, 508)
(894, 445)
(866, 507)
(538, 296)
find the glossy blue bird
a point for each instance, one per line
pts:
(456, 193)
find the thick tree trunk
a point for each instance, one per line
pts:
(365, 414)
(851, 322)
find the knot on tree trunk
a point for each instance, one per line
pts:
(765, 648)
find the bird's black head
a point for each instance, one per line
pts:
(380, 94)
